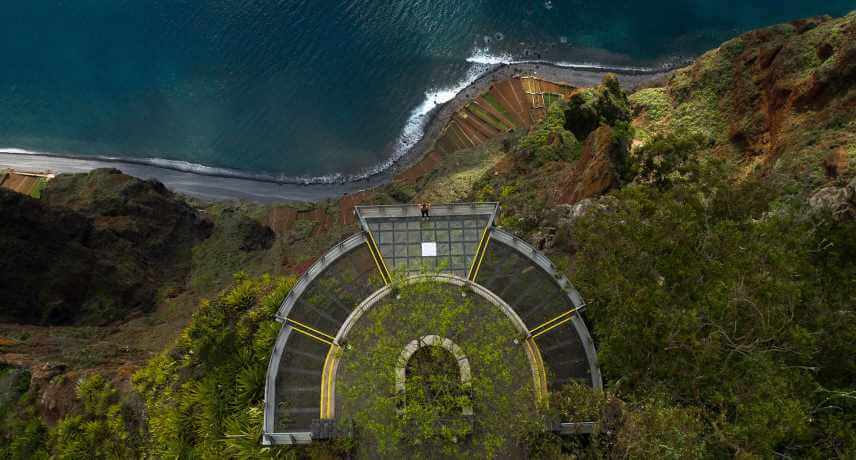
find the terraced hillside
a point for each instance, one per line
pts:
(519, 102)
(26, 183)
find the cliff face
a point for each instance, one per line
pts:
(782, 97)
(595, 172)
(97, 247)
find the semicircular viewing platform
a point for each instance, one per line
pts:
(458, 244)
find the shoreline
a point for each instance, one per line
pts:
(265, 188)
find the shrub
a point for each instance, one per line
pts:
(667, 158)
(100, 429)
(211, 384)
(591, 107)
(549, 140)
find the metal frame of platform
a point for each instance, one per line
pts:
(368, 216)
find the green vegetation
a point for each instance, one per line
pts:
(237, 243)
(497, 106)
(666, 159)
(41, 183)
(731, 300)
(550, 98)
(102, 428)
(203, 397)
(430, 421)
(453, 179)
(588, 108)
(549, 140)
(488, 118)
(649, 428)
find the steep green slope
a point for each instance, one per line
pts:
(782, 98)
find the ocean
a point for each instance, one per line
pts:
(310, 89)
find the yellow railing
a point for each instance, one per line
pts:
(481, 250)
(539, 373)
(548, 326)
(378, 258)
(328, 404)
(310, 331)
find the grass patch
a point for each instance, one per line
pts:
(37, 190)
(550, 98)
(488, 118)
(455, 179)
(655, 102)
(496, 105)
(701, 115)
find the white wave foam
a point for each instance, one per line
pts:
(483, 56)
(481, 62)
(191, 167)
(19, 151)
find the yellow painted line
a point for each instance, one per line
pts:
(306, 326)
(327, 405)
(553, 326)
(479, 255)
(378, 258)
(547, 323)
(309, 334)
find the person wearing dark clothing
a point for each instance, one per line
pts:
(425, 208)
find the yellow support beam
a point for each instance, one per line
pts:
(481, 250)
(309, 334)
(378, 258)
(328, 404)
(553, 327)
(547, 323)
(310, 328)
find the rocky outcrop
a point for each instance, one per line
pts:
(840, 201)
(598, 169)
(589, 108)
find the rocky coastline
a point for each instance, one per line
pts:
(216, 186)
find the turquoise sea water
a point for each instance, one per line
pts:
(307, 88)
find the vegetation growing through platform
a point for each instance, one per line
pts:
(501, 390)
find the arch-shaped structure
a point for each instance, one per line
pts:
(434, 341)
(457, 244)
